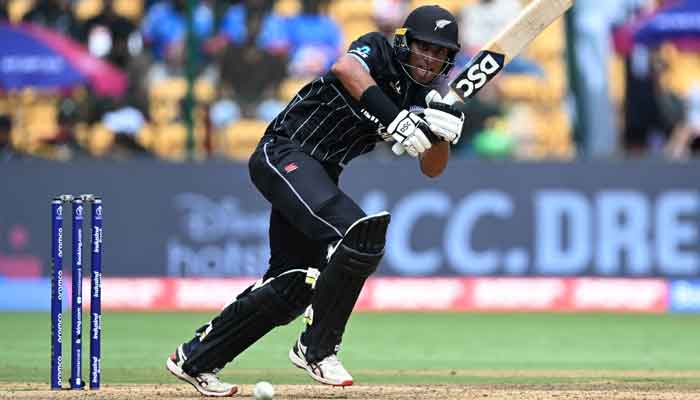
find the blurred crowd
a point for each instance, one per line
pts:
(205, 77)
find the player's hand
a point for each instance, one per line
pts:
(445, 120)
(410, 132)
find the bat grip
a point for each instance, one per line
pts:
(432, 96)
(450, 98)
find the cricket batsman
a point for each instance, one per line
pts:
(322, 245)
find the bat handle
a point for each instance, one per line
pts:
(450, 98)
(434, 97)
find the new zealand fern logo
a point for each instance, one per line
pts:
(441, 23)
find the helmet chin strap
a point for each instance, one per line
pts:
(427, 84)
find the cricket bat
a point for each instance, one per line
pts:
(498, 52)
(493, 57)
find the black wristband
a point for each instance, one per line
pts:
(379, 104)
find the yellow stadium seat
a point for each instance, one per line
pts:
(346, 10)
(173, 88)
(555, 83)
(238, 141)
(5, 105)
(81, 133)
(171, 141)
(549, 44)
(100, 140)
(616, 80)
(553, 133)
(453, 5)
(683, 70)
(289, 87)
(164, 110)
(176, 89)
(545, 90)
(204, 91)
(86, 9)
(355, 28)
(18, 139)
(165, 97)
(519, 87)
(39, 117)
(147, 137)
(17, 8)
(131, 9)
(287, 8)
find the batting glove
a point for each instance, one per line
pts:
(410, 131)
(445, 120)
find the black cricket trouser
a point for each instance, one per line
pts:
(309, 212)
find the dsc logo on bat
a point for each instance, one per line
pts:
(484, 67)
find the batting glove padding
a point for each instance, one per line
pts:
(445, 121)
(410, 130)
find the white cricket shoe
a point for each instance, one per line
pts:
(329, 371)
(207, 384)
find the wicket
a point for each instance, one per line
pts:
(79, 204)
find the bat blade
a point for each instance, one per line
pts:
(495, 55)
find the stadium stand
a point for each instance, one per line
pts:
(535, 103)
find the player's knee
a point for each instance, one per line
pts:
(362, 247)
(368, 234)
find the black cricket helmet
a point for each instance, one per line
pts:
(431, 24)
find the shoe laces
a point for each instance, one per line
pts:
(209, 378)
(332, 361)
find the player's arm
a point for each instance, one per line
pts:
(406, 128)
(434, 161)
(446, 122)
(353, 75)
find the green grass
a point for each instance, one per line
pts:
(424, 347)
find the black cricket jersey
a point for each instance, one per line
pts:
(331, 126)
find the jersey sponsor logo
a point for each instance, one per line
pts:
(369, 116)
(482, 68)
(381, 129)
(291, 167)
(441, 23)
(362, 51)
